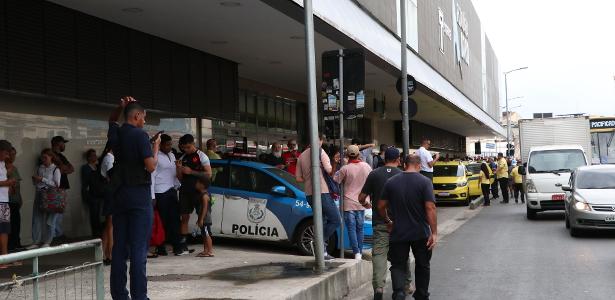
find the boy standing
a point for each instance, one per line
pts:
(204, 221)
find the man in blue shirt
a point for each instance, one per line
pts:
(135, 160)
(411, 221)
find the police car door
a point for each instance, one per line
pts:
(219, 187)
(247, 206)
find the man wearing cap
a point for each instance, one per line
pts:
(353, 175)
(58, 145)
(372, 189)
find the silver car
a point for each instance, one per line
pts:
(590, 199)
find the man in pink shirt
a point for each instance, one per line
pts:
(353, 176)
(331, 217)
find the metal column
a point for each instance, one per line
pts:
(405, 123)
(314, 139)
(341, 110)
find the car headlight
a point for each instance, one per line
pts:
(581, 205)
(530, 187)
(462, 184)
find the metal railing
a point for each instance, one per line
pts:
(49, 284)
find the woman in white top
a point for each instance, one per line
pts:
(43, 223)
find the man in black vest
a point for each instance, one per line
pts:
(135, 159)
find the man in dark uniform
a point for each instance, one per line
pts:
(135, 160)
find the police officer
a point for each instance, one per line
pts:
(136, 159)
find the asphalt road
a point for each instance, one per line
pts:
(499, 254)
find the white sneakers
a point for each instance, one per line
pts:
(33, 246)
(358, 256)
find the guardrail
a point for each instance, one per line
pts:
(17, 286)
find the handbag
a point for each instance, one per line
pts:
(158, 234)
(53, 200)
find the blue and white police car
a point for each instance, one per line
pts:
(259, 202)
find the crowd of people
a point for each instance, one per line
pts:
(501, 174)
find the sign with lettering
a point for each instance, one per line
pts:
(602, 124)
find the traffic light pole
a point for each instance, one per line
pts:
(341, 110)
(405, 123)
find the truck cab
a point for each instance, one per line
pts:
(546, 170)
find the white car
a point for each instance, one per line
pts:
(590, 199)
(547, 169)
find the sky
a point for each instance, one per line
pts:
(568, 47)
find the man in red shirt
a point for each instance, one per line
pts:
(290, 157)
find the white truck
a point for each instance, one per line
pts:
(551, 149)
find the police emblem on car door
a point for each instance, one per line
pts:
(257, 210)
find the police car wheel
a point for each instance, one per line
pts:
(305, 237)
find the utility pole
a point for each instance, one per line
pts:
(507, 110)
(405, 120)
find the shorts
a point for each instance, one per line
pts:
(206, 230)
(5, 218)
(188, 202)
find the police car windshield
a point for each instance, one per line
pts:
(286, 177)
(596, 179)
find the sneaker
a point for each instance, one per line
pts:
(378, 295)
(328, 257)
(184, 252)
(358, 256)
(33, 246)
(45, 245)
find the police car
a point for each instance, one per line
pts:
(259, 202)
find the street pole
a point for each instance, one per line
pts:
(341, 110)
(507, 110)
(507, 113)
(314, 138)
(405, 123)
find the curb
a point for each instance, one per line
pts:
(338, 284)
(477, 202)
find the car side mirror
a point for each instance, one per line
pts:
(522, 170)
(279, 189)
(566, 188)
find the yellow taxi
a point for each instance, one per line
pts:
(474, 180)
(450, 182)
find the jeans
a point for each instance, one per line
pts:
(14, 237)
(354, 220)
(380, 253)
(494, 188)
(485, 188)
(398, 254)
(132, 228)
(518, 188)
(504, 187)
(168, 208)
(330, 213)
(43, 223)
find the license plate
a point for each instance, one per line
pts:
(444, 194)
(610, 219)
(558, 197)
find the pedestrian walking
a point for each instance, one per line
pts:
(379, 160)
(204, 220)
(412, 225)
(352, 176)
(105, 162)
(135, 159)
(290, 157)
(427, 161)
(92, 190)
(331, 216)
(58, 146)
(48, 176)
(5, 210)
(518, 182)
(373, 189)
(485, 182)
(502, 177)
(15, 201)
(494, 178)
(192, 165)
(165, 186)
